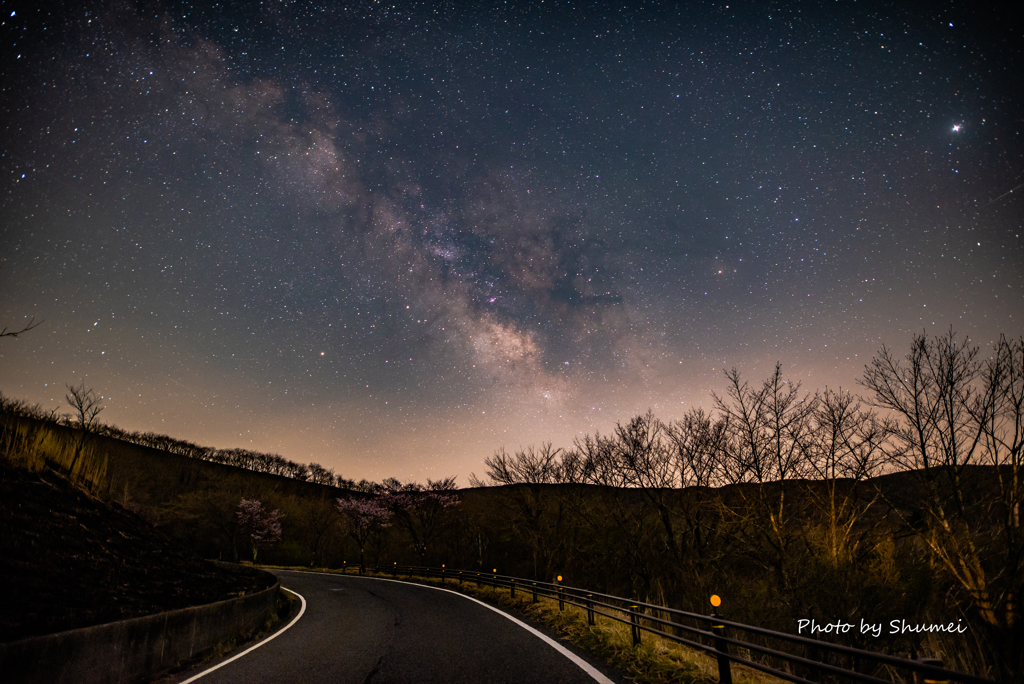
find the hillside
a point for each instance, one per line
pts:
(72, 561)
(836, 549)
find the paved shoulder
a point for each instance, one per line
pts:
(374, 631)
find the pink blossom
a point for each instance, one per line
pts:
(262, 526)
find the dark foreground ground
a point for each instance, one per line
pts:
(68, 560)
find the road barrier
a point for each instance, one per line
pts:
(805, 657)
(134, 650)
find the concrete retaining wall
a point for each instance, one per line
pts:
(133, 650)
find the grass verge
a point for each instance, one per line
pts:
(655, 661)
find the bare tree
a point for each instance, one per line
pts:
(319, 474)
(698, 444)
(935, 390)
(86, 405)
(524, 466)
(595, 461)
(847, 443)
(14, 333)
(643, 455)
(574, 468)
(446, 484)
(1003, 448)
(540, 513)
(394, 485)
(956, 412)
(766, 440)
(767, 427)
(20, 407)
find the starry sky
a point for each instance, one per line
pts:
(391, 238)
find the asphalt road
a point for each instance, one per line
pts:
(374, 631)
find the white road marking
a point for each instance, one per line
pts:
(254, 646)
(583, 665)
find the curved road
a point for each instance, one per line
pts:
(376, 631)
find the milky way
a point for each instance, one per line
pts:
(394, 238)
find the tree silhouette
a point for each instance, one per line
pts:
(14, 333)
(957, 410)
(86, 404)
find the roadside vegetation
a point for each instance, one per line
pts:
(898, 505)
(654, 661)
(73, 561)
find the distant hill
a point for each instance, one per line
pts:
(121, 471)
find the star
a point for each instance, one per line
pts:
(283, 230)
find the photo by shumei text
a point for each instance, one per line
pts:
(875, 629)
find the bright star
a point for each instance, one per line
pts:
(956, 128)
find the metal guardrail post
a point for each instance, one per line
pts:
(724, 673)
(634, 623)
(717, 633)
(512, 587)
(927, 679)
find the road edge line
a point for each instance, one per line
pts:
(257, 645)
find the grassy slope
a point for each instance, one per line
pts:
(74, 561)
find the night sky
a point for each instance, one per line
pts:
(392, 238)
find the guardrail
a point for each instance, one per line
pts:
(709, 633)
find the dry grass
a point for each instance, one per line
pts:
(36, 446)
(655, 661)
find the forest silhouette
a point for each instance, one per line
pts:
(899, 505)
